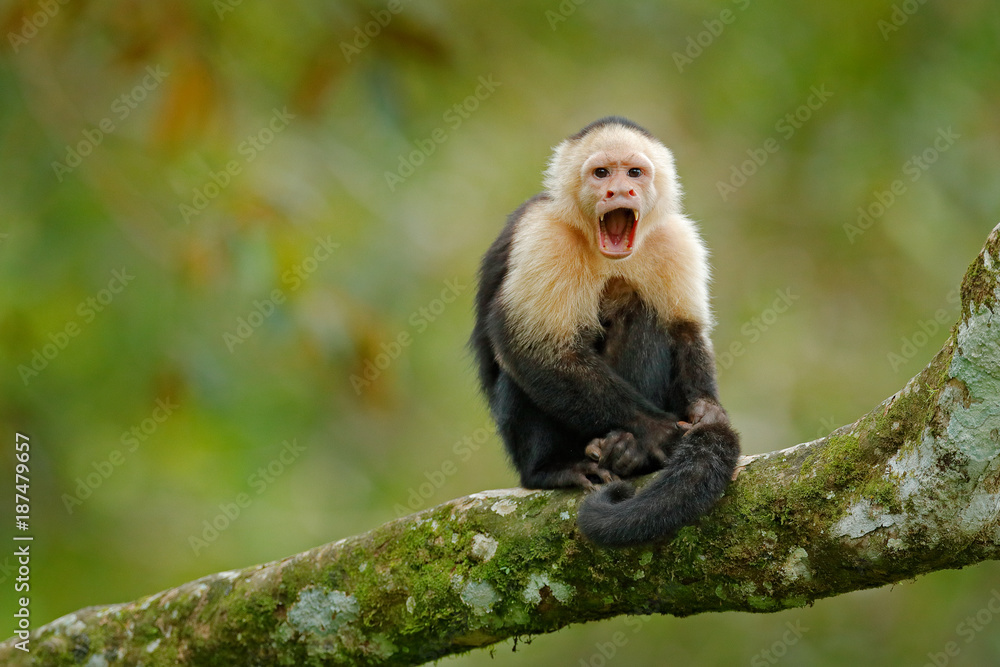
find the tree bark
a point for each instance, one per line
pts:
(911, 487)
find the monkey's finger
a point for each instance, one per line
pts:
(593, 450)
(606, 476)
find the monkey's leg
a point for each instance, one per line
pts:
(547, 455)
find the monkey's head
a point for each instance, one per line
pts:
(614, 181)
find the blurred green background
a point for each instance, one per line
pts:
(216, 216)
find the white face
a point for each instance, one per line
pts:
(617, 191)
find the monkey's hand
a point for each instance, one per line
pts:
(625, 455)
(704, 411)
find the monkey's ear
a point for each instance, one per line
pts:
(667, 184)
(560, 165)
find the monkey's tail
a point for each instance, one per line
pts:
(692, 481)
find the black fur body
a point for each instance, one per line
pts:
(621, 387)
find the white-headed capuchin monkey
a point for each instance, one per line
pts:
(591, 336)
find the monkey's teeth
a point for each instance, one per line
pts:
(636, 214)
(602, 217)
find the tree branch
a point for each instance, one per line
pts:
(911, 487)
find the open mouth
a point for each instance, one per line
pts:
(618, 232)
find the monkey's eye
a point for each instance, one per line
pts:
(635, 172)
(601, 172)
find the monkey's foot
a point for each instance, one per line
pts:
(585, 474)
(622, 454)
(582, 474)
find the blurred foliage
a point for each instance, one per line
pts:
(299, 262)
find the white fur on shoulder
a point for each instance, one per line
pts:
(556, 275)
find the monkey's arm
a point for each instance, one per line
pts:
(694, 392)
(576, 387)
(672, 366)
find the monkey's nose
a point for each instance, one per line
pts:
(611, 194)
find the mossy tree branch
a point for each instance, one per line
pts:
(911, 487)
